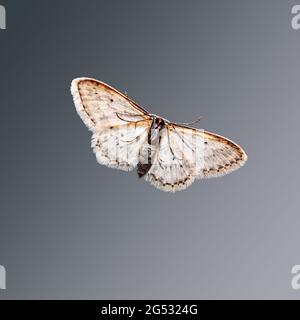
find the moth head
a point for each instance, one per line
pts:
(159, 123)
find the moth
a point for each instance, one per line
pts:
(168, 155)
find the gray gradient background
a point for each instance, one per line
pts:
(70, 228)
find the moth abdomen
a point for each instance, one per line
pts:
(145, 160)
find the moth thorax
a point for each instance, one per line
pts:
(158, 124)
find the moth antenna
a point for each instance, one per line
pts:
(191, 123)
(119, 115)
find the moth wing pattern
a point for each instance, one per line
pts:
(220, 155)
(119, 147)
(119, 125)
(98, 104)
(186, 154)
